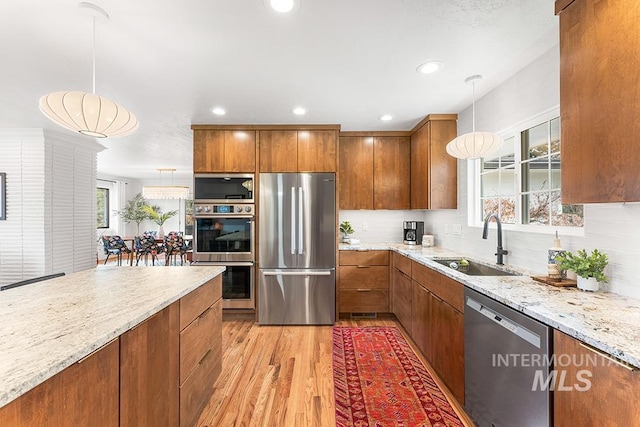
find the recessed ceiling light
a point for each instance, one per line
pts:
(429, 67)
(386, 117)
(219, 111)
(282, 6)
(299, 111)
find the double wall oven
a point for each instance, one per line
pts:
(224, 233)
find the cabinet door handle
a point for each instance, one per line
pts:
(363, 266)
(364, 290)
(97, 349)
(608, 357)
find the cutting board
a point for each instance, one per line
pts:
(554, 282)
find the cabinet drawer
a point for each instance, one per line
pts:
(198, 387)
(370, 277)
(195, 303)
(402, 263)
(197, 338)
(445, 288)
(364, 257)
(364, 301)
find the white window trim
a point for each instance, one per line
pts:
(473, 184)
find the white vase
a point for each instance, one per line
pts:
(160, 233)
(587, 283)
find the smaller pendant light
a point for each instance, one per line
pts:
(475, 144)
(88, 113)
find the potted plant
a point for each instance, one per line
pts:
(133, 211)
(588, 267)
(345, 230)
(155, 215)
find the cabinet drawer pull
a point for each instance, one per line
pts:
(204, 357)
(608, 357)
(364, 290)
(204, 313)
(363, 266)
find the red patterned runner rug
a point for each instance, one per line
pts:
(379, 381)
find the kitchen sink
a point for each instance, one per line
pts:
(473, 268)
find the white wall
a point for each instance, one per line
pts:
(612, 228)
(381, 226)
(51, 207)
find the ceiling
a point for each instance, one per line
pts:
(346, 62)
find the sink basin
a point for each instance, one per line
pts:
(473, 268)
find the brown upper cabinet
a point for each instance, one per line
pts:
(301, 150)
(224, 150)
(374, 170)
(434, 173)
(599, 108)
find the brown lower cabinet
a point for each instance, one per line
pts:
(591, 389)
(84, 394)
(160, 373)
(149, 364)
(430, 307)
(363, 285)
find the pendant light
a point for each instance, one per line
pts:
(88, 113)
(475, 144)
(163, 192)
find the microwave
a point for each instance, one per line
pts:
(222, 188)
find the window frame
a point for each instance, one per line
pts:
(474, 168)
(107, 216)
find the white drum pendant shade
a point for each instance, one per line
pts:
(89, 114)
(474, 145)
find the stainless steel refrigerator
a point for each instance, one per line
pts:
(297, 249)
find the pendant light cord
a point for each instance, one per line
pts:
(473, 107)
(94, 55)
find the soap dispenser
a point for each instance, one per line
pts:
(554, 270)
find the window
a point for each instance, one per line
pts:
(103, 207)
(522, 181)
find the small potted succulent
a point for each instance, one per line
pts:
(345, 230)
(588, 267)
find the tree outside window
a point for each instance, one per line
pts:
(522, 181)
(102, 207)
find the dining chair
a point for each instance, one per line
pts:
(114, 245)
(174, 245)
(146, 245)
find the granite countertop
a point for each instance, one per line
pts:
(606, 321)
(48, 326)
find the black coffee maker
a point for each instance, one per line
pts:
(413, 231)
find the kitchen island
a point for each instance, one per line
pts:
(47, 327)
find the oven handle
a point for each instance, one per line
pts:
(223, 263)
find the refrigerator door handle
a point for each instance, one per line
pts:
(293, 220)
(297, 273)
(300, 221)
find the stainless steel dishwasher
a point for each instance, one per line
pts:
(506, 365)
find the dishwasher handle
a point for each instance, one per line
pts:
(508, 324)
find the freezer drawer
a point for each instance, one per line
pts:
(297, 297)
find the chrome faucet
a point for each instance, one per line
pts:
(485, 233)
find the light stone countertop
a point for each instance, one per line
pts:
(606, 321)
(48, 326)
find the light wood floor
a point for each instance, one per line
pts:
(279, 376)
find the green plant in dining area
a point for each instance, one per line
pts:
(133, 211)
(158, 216)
